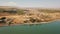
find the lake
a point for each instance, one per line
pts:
(50, 28)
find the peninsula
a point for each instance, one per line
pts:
(14, 15)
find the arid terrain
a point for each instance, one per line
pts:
(12, 15)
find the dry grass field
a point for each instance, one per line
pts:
(20, 16)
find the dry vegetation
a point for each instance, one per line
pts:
(20, 16)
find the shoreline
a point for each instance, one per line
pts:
(2, 25)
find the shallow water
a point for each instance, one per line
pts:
(50, 28)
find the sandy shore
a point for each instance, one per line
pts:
(1, 25)
(23, 24)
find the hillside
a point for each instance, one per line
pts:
(28, 15)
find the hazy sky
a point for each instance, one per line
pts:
(31, 3)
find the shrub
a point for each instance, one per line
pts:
(20, 11)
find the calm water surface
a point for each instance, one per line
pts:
(51, 28)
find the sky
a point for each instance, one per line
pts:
(31, 3)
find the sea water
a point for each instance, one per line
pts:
(49, 28)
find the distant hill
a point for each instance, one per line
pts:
(7, 7)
